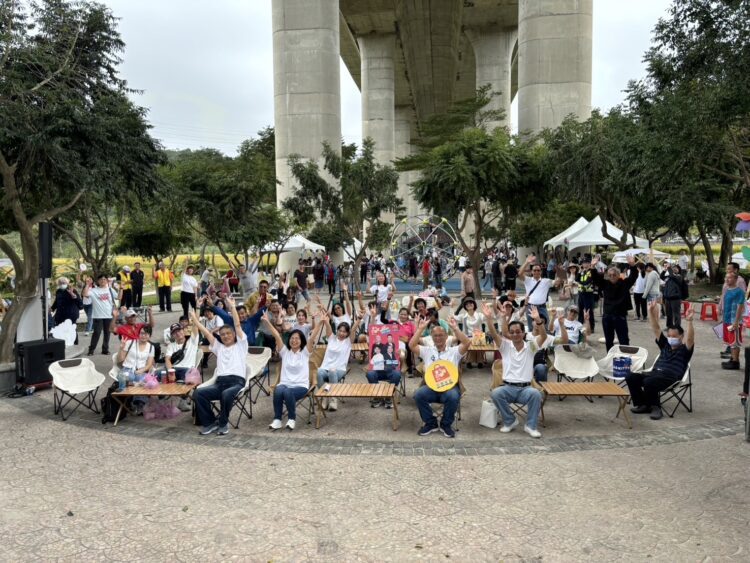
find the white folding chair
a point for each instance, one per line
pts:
(637, 355)
(571, 367)
(71, 378)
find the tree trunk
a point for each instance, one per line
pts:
(726, 248)
(709, 255)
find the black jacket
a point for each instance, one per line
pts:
(616, 295)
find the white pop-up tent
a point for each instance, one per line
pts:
(560, 240)
(591, 235)
(642, 253)
(297, 243)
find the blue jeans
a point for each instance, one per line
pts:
(224, 390)
(88, 309)
(289, 396)
(389, 375)
(330, 375)
(505, 394)
(540, 372)
(542, 313)
(450, 400)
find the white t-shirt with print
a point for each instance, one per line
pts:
(381, 292)
(102, 302)
(430, 354)
(295, 367)
(231, 360)
(470, 324)
(574, 329)
(518, 366)
(191, 352)
(337, 354)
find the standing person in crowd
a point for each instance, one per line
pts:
(206, 279)
(487, 276)
(437, 271)
(126, 287)
(468, 286)
(188, 290)
(300, 276)
(683, 262)
(617, 301)
(230, 350)
(88, 283)
(570, 286)
(510, 274)
(164, 279)
(424, 396)
(336, 359)
(137, 277)
(103, 306)
(652, 286)
(382, 290)
(426, 268)
(318, 272)
(732, 267)
(670, 366)
(462, 263)
(329, 274)
(734, 307)
(638, 293)
(247, 279)
(294, 379)
(412, 268)
(551, 266)
(67, 304)
(363, 271)
(674, 290)
(497, 274)
(537, 290)
(131, 328)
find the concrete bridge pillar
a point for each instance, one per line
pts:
(307, 86)
(554, 62)
(493, 49)
(404, 129)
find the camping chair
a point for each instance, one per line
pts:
(257, 371)
(677, 392)
(572, 367)
(307, 402)
(517, 408)
(257, 360)
(637, 355)
(75, 377)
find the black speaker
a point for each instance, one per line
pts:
(33, 359)
(45, 250)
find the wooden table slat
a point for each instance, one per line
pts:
(162, 389)
(604, 389)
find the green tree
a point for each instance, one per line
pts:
(67, 127)
(532, 229)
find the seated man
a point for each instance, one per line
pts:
(184, 322)
(248, 321)
(670, 366)
(230, 350)
(131, 328)
(429, 354)
(518, 370)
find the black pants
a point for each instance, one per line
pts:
(645, 387)
(186, 300)
(331, 287)
(674, 313)
(363, 276)
(746, 383)
(165, 298)
(137, 295)
(127, 298)
(612, 324)
(641, 310)
(510, 284)
(100, 326)
(586, 302)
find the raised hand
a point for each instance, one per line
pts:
(486, 310)
(560, 313)
(453, 323)
(534, 312)
(423, 324)
(265, 319)
(689, 314)
(230, 301)
(654, 309)
(594, 261)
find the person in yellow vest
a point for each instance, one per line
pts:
(126, 287)
(164, 279)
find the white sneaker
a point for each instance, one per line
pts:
(506, 429)
(290, 424)
(333, 405)
(275, 425)
(533, 432)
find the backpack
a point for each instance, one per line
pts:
(110, 406)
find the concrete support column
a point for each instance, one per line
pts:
(402, 132)
(554, 61)
(307, 86)
(493, 49)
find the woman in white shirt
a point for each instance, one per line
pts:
(472, 320)
(638, 288)
(336, 359)
(137, 355)
(294, 378)
(188, 290)
(382, 290)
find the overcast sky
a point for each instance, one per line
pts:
(205, 68)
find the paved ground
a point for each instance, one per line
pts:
(590, 489)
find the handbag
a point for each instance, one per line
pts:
(488, 414)
(119, 363)
(178, 356)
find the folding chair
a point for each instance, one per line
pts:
(637, 355)
(307, 402)
(256, 361)
(257, 371)
(517, 408)
(71, 378)
(677, 392)
(572, 367)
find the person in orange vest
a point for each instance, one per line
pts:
(164, 279)
(126, 287)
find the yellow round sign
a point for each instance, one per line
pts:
(441, 376)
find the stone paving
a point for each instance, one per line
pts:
(590, 489)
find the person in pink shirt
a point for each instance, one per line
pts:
(406, 332)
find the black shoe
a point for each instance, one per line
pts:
(656, 413)
(90, 353)
(730, 365)
(105, 352)
(725, 355)
(643, 409)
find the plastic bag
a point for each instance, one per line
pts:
(150, 381)
(193, 376)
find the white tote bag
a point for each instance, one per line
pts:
(488, 414)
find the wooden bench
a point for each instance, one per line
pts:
(598, 389)
(380, 390)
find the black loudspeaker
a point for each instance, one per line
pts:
(45, 250)
(33, 359)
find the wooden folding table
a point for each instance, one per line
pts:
(590, 389)
(181, 390)
(380, 390)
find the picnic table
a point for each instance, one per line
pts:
(588, 389)
(380, 390)
(181, 390)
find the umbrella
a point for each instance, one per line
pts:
(743, 216)
(743, 225)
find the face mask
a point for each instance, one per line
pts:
(673, 340)
(63, 286)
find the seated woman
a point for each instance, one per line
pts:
(472, 320)
(406, 331)
(336, 359)
(137, 359)
(294, 379)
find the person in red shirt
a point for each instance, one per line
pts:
(425, 273)
(131, 329)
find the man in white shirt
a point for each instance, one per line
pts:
(518, 370)
(537, 289)
(683, 261)
(424, 396)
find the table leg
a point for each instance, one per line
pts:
(623, 405)
(119, 412)
(319, 403)
(394, 400)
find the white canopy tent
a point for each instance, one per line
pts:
(591, 235)
(736, 257)
(560, 239)
(642, 253)
(297, 243)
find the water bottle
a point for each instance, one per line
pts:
(122, 381)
